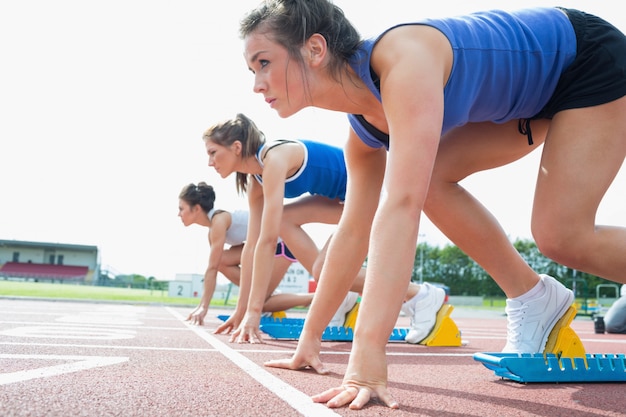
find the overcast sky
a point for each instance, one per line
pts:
(103, 106)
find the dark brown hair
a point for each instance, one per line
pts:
(202, 194)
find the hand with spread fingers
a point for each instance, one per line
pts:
(364, 380)
(357, 396)
(229, 325)
(197, 315)
(306, 356)
(249, 330)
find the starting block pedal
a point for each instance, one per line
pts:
(352, 314)
(539, 367)
(278, 315)
(563, 360)
(563, 341)
(445, 332)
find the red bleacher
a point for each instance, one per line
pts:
(43, 271)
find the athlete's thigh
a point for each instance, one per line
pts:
(583, 153)
(232, 255)
(480, 146)
(313, 209)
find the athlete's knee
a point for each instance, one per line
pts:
(567, 247)
(616, 323)
(438, 195)
(222, 266)
(316, 271)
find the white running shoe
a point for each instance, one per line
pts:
(423, 312)
(530, 323)
(348, 303)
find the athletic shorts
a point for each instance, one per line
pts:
(598, 73)
(283, 250)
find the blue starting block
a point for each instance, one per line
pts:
(332, 333)
(290, 329)
(272, 320)
(541, 367)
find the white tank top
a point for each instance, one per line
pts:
(238, 230)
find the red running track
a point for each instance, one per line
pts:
(60, 358)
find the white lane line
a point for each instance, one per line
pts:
(72, 332)
(117, 347)
(271, 351)
(617, 341)
(297, 399)
(100, 325)
(75, 364)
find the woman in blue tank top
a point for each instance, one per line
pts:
(430, 103)
(315, 173)
(268, 174)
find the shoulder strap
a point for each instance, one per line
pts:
(274, 145)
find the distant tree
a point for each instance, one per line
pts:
(131, 281)
(449, 266)
(452, 267)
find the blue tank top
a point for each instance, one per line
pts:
(506, 66)
(323, 171)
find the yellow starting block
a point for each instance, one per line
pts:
(278, 315)
(351, 316)
(563, 341)
(445, 332)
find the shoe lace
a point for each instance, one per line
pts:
(410, 311)
(514, 323)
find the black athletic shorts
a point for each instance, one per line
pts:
(283, 250)
(598, 73)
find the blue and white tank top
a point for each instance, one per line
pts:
(323, 171)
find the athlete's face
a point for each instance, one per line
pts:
(186, 212)
(223, 159)
(276, 75)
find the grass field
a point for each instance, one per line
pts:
(95, 293)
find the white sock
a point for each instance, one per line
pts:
(533, 293)
(421, 294)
